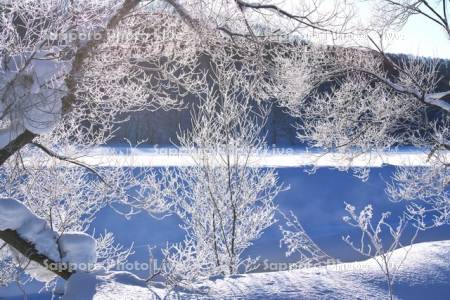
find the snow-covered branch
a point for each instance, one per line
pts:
(30, 235)
(373, 244)
(298, 242)
(223, 203)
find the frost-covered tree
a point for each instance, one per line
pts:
(69, 197)
(297, 242)
(391, 13)
(224, 202)
(351, 101)
(10, 268)
(379, 240)
(426, 192)
(426, 189)
(373, 101)
(358, 101)
(70, 69)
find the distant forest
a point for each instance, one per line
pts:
(161, 127)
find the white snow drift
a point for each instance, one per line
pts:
(423, 276)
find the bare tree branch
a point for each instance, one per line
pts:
(68, 159)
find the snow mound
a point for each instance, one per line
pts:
(16, 216)
(78, 249)
(425, 275)
(101, 285)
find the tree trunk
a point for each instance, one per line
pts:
(27, 249)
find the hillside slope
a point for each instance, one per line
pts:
(424, 275)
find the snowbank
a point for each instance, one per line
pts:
(78, 249)
(106, 285)
(425, 275)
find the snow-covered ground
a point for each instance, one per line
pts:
(272, 157)
(424, 275)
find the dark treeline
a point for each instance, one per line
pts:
(161, 127)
